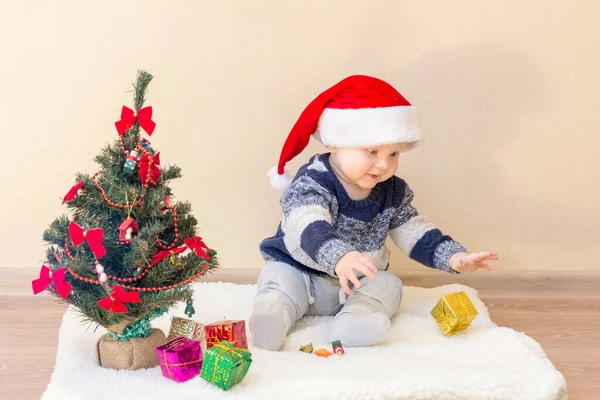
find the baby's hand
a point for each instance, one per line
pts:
(465, 263)
(347, 266)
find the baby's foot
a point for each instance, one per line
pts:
(360, 330)
(267, 322)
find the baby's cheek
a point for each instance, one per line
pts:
(356, 172)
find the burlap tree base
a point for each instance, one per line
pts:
(131, 354)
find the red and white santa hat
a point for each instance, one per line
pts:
(359, 111)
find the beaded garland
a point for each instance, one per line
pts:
(137, 202)
(147, 289)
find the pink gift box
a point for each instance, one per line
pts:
(180, 358)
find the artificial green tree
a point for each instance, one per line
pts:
(126, 252)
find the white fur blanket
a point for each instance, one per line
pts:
(415, 362)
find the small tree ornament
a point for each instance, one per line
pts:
(145, 144)
(189, 308)
(127, 229)
(131, 163)
(308, 348)
(102, 277)
(337, 347)
(167, 205)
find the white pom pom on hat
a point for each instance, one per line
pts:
(278, 181)
(358, 111)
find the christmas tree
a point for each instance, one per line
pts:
(126, 252)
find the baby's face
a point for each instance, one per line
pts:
(367, 166)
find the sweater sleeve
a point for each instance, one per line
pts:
(419, 238)
(308, 235)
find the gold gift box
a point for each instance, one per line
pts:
(454, 312)
(188, 328)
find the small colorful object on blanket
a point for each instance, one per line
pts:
(225, 365)
(189, 329)
(233, 332)
(180, 359)
(307, 348)
(454, 312)
(323, 353)
(337, 348)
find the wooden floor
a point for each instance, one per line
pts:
(560, 309)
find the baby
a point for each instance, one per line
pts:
(329, 255)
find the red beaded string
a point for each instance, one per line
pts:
(56, 256)
(149, 176)
(169, 287)
(175, 223)
(122, 145)
(141, 148)
(134, 279)
(81, 278)
(138, 146)
(117, 205)
(150, 289)
(124, 206)
(130, 280)
(67, 250)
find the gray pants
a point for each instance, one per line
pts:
(302, 294)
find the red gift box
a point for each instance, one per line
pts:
(232, 331)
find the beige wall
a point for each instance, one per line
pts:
(509, 93)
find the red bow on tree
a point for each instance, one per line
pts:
(117, 298)
(92, 236)
(151, 162)
(128, 118)
(161, 255)
(57, 277)
(72, 193)
(196, 244)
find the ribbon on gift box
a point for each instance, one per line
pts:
(166, 364)
(215, 342)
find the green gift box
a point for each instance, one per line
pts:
(225, 365)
